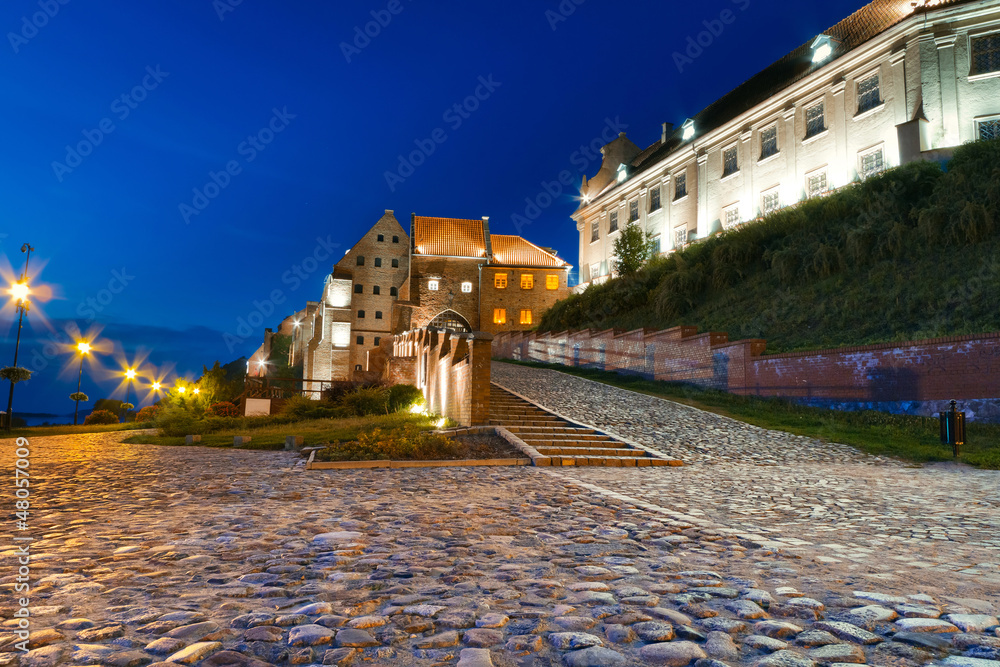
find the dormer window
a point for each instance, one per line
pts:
(687, 130)
(822, 48)
(622, 173)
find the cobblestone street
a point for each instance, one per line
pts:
(218, 557)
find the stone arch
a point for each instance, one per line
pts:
(452, 321)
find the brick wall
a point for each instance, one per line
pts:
(449, 273)
(917, 377)
(513, 299)
(452, 370)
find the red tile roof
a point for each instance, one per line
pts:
(450, 237)
(515, 251)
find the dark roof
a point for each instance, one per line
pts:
(861, 26)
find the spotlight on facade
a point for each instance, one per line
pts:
(622, 173)
(687, 130)
(822, 48)
(441, 423)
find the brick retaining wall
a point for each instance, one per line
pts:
(915, 377)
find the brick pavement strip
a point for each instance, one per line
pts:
(232, 557)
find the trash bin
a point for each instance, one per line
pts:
(953, 429)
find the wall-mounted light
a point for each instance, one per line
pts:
(822, 48)
(687, 130)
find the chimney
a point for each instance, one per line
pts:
(668, 129)
(389, 211)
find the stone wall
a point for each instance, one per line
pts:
(452, 370)
(917, 377)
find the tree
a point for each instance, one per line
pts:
(632, 249)
(110, 404)
(216, 385)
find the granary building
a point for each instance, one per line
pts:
(895, 82)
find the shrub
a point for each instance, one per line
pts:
(101, 417)
(403, 396)
(148, 413)
(223, 409)
(406, 444)
(299, 408)
(367, 401)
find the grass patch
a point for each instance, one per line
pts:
(880, 433)
(314, 432)
(43, 431)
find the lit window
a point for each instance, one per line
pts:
(359, 289)
(869, 95)
(378, 261)
(613, 222)
(770, 201)
(816, 184)
(527, 280)
(732, 217)
(466, 287)
(633, 210)
(361, 314)
(988, 129)
(551, 281)
(872, 163)
(681, 186)
(654, 199)
(986, 54)
(525, 317)
(499, 316)
(432, 285)
(361, 340)
(395, 263)
(595, 231)
(500, 281)
(680, 237)
(393, 291)
(730, 161)
(768, 142)
(381, 238)
(378, 314)
(815, 120)
(361, 260)
(376, 290)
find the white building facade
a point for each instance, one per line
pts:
(898, 81)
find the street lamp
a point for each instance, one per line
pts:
(84, 349)
(156, 386)
(130, 376)
(19, 291)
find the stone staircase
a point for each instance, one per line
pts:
(561, 442)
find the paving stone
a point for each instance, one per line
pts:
(475, 657)
(654, 631)
(815, 638)
(972, 622)
(785, 658)
(849, 632)
(595, 656)
(191, 654)
(339, 656)
(836, 653)
(351, 638)
(764, 643)
(482, 637)
(310, 635)
(565, 641)
(925, 625)
(776, 629)
(672, 654)
(922, 640)
(962, 661)
(721, 645)
(441, 640)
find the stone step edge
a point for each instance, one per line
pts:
(652, 452)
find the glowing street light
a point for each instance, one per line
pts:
(84, 348)
(156, 386)
(196, 391)
(130, 376)
(181, 390)
(19, 291)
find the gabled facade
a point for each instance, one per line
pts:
(897, 81)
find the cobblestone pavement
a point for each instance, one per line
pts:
(197, 556)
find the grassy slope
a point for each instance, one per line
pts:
(902, 436)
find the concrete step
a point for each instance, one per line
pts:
(590, 451)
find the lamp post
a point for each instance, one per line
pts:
(19, 291)
(129, 375)
(84, 349)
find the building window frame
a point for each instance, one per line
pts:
(552, 281)
(654, 245)
(768, 143)
(466, 287)
(994, 49)
(378, 261)
(361, 314)
(680, 186)
(359, 289)
(527, 281)
(378, 340)
(612, 222)
(376, 290)
(655, 201)
(393, 291)
(731, 216)
(633, 210)
(992, 122)
(595, 230)
(822, 172)
(770, 200)
(360, 340)
(395, 263)
(866, 103)
(395, 239)
(878, 167)
(378, 314)
(433, 285)
(525, 316)
(595, 271)
(730, 160)
(361, 260)
(499, 316)
(380, 238)
(680, 236)
(816, 126)
(500, 280)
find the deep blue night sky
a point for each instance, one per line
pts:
(210, 84)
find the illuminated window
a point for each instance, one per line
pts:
(680, 237)
(869, 95)
(499, 316)
(768, 142)
(730, 161)
(432, 285)
(815, 120)
(633, 210)
(466, 287)
(731, 217)
(395, 263)
(770, 201)
(986, 54)
(527, 280)
(613, 222)
(816, 184)
(988, 129)
(654, 199)
(681, 186)
(872, 163)
(525, 317)
(500, 281)
(551, 281)
(595, 231)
